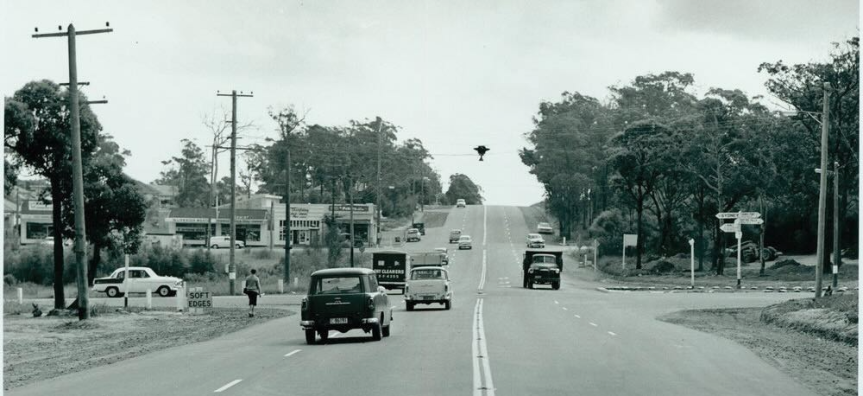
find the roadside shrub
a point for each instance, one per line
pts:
(263, 254)
(30, 264)
(608, 228)
(201, 262)
(9, 280)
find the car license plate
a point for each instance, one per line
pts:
(538, 276)
(338, 320)
(427, 297)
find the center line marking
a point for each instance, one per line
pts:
(230, 384)
(578, 316)
(612, 333)
(564, 308)
(292, 352)
(593, 324)
(555, 301)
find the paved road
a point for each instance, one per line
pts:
(497, 339)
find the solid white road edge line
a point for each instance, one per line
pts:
(486, 366)
(484, 222)
(474, 346)
(293, 352)
(228, 385)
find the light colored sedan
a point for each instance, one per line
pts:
(544, 228)
(464, 242)
(535, 241)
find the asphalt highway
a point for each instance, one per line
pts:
(498, 339)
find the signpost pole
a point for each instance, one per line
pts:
(126, 285)
(623, 265)
(739, 234)
(595, 248)
(691, 263)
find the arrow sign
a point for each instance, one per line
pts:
(730, 227)
(738, 215)
(750, 221)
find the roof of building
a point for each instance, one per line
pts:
(203, 213)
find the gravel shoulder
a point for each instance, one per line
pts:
(827, 367)
(36, 349)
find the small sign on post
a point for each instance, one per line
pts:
(199, 300)
(628, 240)
(692, 263)
(281, 286)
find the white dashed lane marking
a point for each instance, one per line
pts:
(228, 385)
(564, 308)
(293, 352)
(612, 333)
(577, 316)
(555, 301)
(593, 324)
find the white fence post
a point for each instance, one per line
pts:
(20, 296)
(242, 285)
(296, 281)
(181, 292)
(281, 286)
(149, 298)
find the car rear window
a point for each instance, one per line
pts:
(336, 285)
(420, 274)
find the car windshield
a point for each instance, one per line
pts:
(335, 285)
(464, 238)
(544, 260)
(534, 236)
(421, 274)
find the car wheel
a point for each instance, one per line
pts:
(376, 332)
(164, 291)
(310, 337)
(386, 331)
(239, 246)
(447, 305)
(214, 246)
(112, 292)
(410, 306)
(325, 334)
(555, 285)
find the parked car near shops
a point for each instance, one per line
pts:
(140, 280)
(224, 242)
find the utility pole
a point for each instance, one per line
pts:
(288, 236)
(232, 269)
(351, 195)
(77, 168)
(837, 257)
(378, 193)
(822, 194)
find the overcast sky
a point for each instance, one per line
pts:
(454, 74)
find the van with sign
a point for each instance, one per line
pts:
(392, 268)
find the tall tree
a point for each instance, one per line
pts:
(188, 173)
(37, 131)
(462, 187)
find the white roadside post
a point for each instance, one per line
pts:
(692, 263)
(739, 235)
(595, 248)
(149, 299)
(126, 284)
(296, 282)
(281, 286)
(181, 292)
(20, 296)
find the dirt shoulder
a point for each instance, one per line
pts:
(36, 349)
(827, 367)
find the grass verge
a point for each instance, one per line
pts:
(36, 349)
(827, 367)
(833, 318)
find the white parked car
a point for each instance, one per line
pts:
(535, 241)
(224, 242)
(140, 280)
(460, 203)
(544, 228)
(464, 242)
(428, 285)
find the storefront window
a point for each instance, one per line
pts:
(195, 231)
(39, 230)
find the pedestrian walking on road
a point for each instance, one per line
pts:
(253, 290)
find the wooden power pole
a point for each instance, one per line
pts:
(822, 194)
(77, 170)
(232, 269)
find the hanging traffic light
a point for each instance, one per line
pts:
(481, 150)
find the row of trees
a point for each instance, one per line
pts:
(327, 164)
(660, 157)
(37, 138)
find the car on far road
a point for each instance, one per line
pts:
(454, 235)
(428, 285)
(460, 203)
(464, 242)
(412, 235)
(535, 241)
(444, 255)
(544, 228)
(224, 242)
(343, 299)
(140, 280)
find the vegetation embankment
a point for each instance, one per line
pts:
(814, 342)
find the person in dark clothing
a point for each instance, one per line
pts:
(253, 290)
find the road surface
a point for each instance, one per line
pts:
(498, 339)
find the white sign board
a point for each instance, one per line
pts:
(750, 221)
(730, 227)
(630, 240)
(738, 215)
(199, 299)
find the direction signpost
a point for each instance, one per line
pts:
(739, 218)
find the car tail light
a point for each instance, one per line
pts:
(305, 304)
(371, 304)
